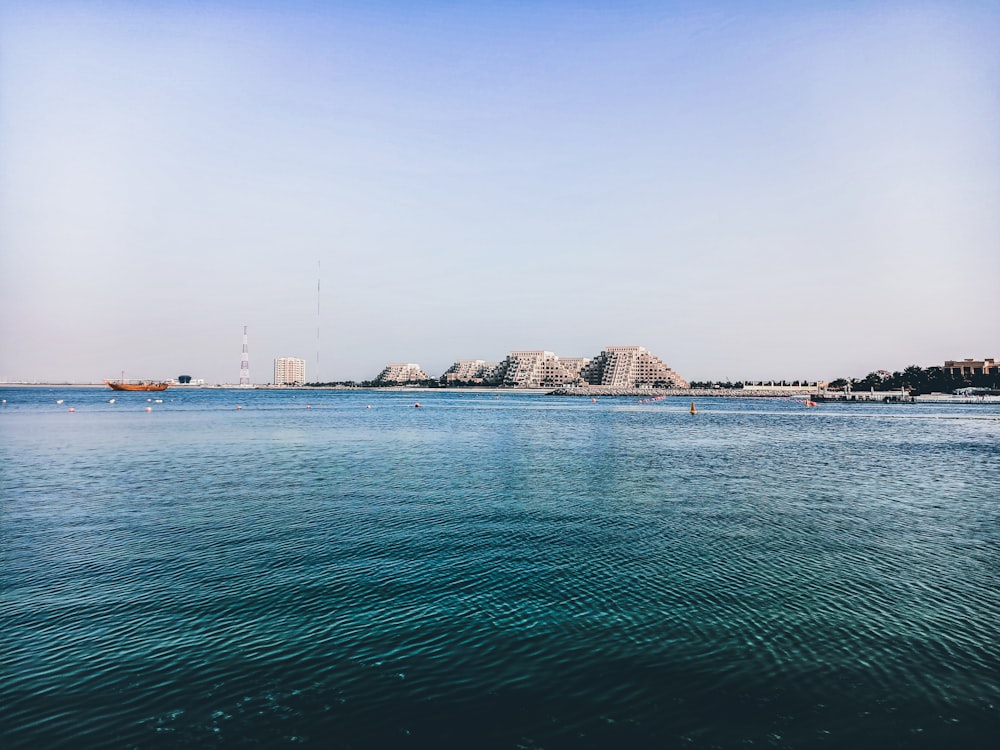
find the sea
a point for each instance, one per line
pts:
(222, 568)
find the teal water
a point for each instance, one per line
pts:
(518, 571)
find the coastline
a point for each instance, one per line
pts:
(590, 392)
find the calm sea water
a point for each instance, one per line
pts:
(518, 571)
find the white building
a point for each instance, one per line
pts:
(534, 368)
(402, 372)
(289, 371)
(615, 367)
(630, 367)
(476, 371)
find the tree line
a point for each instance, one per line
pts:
(918, 380)
(913, 379)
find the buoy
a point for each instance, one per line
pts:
(111, 400)
(693, 410)
(416, 405)
(369, 406)
(59, 401)
(149, 408)
(593, 400)
(309, 406)
(72, 409)
(238, 408)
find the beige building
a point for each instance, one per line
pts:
(289, 371)
(988, 366)
(574, 366)
(402, 372)
(616, 366)
(475, 371)
(630, 367)
(533, 368)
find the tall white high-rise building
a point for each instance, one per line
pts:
(289, 371)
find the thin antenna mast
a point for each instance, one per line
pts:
(319, 376)
(245, 361)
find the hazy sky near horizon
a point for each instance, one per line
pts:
(749, 190)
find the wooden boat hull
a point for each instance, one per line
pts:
(117, 385)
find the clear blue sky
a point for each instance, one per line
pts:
(750, 190)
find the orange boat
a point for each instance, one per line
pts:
(146, 385)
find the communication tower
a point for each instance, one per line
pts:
(245, 362)
(319, 378)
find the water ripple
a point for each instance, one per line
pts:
(528, 572)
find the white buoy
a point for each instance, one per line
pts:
(59, 401)
(111, 400)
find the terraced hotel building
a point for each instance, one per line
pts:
(471, 372)
(616, 367)
(631, 367)
(402, 372)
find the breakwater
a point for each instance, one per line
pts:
(597, 391)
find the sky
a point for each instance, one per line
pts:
(750, 190)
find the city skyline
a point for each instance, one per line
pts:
(509, 370)
(750, 191)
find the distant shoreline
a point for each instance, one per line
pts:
(591, 391)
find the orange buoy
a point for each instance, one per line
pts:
(693, 410)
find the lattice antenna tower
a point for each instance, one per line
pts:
(245, 362)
